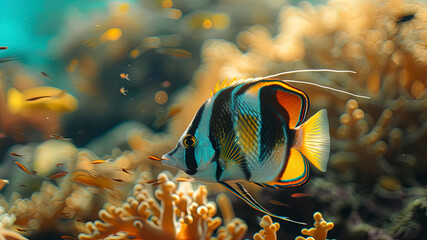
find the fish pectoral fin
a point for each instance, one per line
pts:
(295, 173)
(230, 150)
(240, 191)
(313, 141)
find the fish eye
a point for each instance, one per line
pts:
(189, 141)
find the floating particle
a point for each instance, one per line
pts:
(134, 53)
(124, 7)
(207, 24)
(123, 91)
(45, 75)
(166, 84)
(124, 76)
(161, 97)
(112, 34)
(167, 4)
(72, 66)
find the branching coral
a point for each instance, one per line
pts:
(320, 230)
(6, 221)
(173, 212)
(269, 229)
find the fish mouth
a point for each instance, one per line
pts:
(170, 161)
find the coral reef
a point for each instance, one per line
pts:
(172, 212)
(377, 166)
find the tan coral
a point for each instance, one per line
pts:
(320, 230)
(269, 229)
(179, 213)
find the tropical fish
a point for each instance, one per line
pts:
(16, 154)
(40, 98)
(58, 174)
(99, 161)
(59, 137)
(254, 130)
(23, 168)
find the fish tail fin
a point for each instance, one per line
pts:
(312, 140)
(15, 100)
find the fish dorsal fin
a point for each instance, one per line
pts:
(293, 100)
(223, 84)
(295, 172)
(243, 194)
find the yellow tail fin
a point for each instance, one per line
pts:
(14, 100)
(313, 141)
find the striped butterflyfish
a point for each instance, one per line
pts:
(253, 130)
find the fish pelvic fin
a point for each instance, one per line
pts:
(15, 100)
(243, 194)
(312, 140)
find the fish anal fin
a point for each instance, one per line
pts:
(295, 173)
(313, 141)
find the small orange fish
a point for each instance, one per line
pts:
(184, 179)
(59, 137)
(123, 91)
(58, 174)
(80, 220)
(23, 168)
(117, 180)
(59, 164)
(158, 183)
(153, 181)
(99, 161)
(16, 154)
(45, 75)
(278, 203)
(299, 195)
(126, 171)
(67, 237)
(3, 48)
(155, 158)
(37, 98)
(175, 52)
(21, 230)
(124, 76)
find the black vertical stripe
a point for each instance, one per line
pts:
(189, 156)
(273, 118)
(221, 124)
